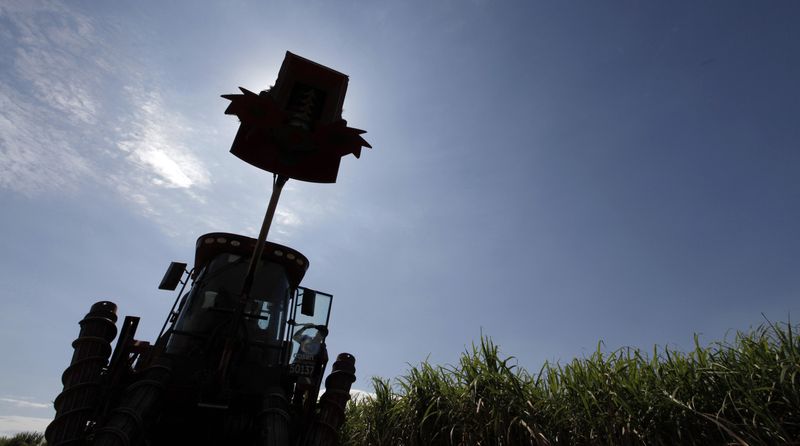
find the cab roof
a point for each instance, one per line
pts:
(214, 243)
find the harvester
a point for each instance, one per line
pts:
(241, 355)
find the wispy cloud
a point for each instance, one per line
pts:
(285, 219)
(41, 98)
(77, 114)
(35, 159)
(74, 112)
(152, 148)
(12, 424)
(26, 403)
(158, 174)
(360, 395)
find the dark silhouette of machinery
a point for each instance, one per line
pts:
(241, 356)
(176, 392)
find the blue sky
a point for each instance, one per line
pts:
(551, 174)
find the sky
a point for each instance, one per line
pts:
(549, 174)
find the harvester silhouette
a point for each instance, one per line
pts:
(241, 356)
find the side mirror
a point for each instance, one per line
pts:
(309, 301)
(173, 276)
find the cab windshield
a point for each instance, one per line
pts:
(210, 304)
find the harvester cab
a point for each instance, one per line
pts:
(280, 329)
